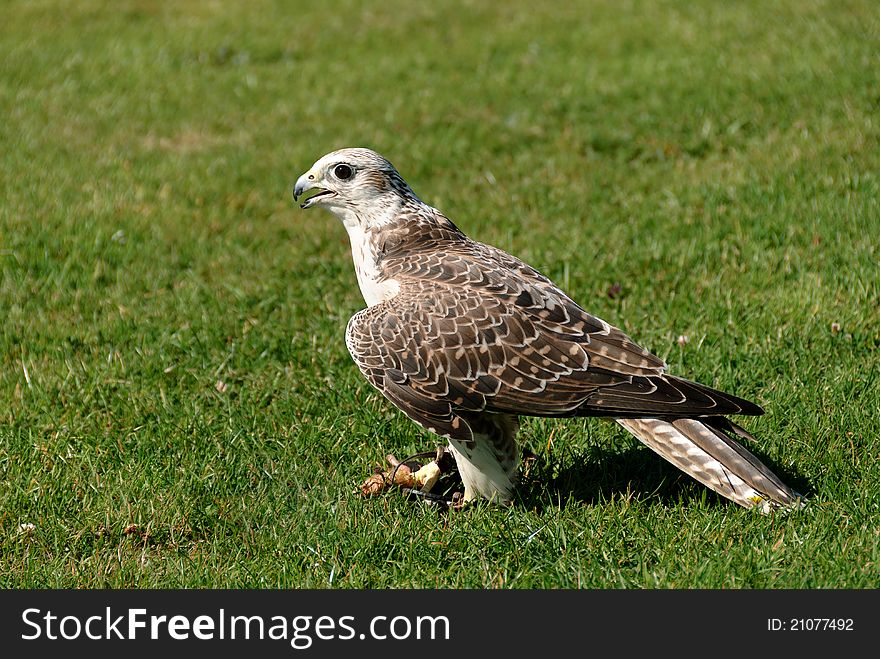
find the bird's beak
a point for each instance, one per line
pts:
(305, 183)
(302, 184)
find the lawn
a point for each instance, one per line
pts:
(177, 405)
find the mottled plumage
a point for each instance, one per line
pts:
(465, 338)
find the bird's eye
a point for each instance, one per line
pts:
(343, 172)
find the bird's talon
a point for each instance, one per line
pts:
(413, 477)
(426, 477)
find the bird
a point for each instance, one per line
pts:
(465, 339)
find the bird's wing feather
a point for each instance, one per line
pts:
(474, 329)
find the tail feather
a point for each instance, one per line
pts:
(702, 449)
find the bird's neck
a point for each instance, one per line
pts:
(371, 216)
(402, 226)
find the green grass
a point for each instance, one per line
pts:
(719, 161)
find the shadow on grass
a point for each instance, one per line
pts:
(599, 475)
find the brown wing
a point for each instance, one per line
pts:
(473, 329)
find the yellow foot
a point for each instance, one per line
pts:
(401, 474)
(426, 477)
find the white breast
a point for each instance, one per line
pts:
(374, 288)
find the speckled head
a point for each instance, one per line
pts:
(357, 185)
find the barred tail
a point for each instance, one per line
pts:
(702, 449)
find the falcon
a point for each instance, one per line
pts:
(464, 339)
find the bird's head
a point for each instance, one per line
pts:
(359, 186)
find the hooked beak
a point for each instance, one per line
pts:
(305, 183)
